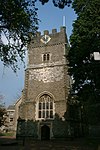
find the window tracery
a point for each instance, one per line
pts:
(45, 107)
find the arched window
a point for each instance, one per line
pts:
(45, 107)
(46, 57)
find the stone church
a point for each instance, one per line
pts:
(44, 108)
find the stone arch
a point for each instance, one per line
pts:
(43, 93)
(43, 113)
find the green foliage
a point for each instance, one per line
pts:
(2, 110)
(10, 134)
(58, 3)
(85, 40)
(17, 19)
(27, 128)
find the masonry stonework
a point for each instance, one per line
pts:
(44, 103)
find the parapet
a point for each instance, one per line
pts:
(46, 32)
(54, 31)
(62, 29)
(56, 37)
(38, 34)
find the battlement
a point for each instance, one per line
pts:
(56, 37)
(54, 31)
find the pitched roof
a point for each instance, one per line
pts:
(11, 107)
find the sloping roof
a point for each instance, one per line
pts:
(18, 100)
(11, 107)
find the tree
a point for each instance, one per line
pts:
(85, 40)
(2, 110)
(18, 18)
(58, 3)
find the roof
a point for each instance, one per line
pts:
(11, 107)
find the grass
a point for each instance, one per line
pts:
(7, 134)
(92, 141)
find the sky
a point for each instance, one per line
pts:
(11, 84)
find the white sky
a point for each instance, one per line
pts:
(11, 84)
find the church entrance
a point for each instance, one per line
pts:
(45, 132)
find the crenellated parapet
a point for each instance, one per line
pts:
(55, 38)
(54, 31)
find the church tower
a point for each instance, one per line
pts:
(44, 101)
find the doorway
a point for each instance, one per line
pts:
(45, 132)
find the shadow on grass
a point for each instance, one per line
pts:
(76, 144)
(8, 141)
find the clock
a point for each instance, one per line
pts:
(45, 39)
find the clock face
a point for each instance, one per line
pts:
(45, 39)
